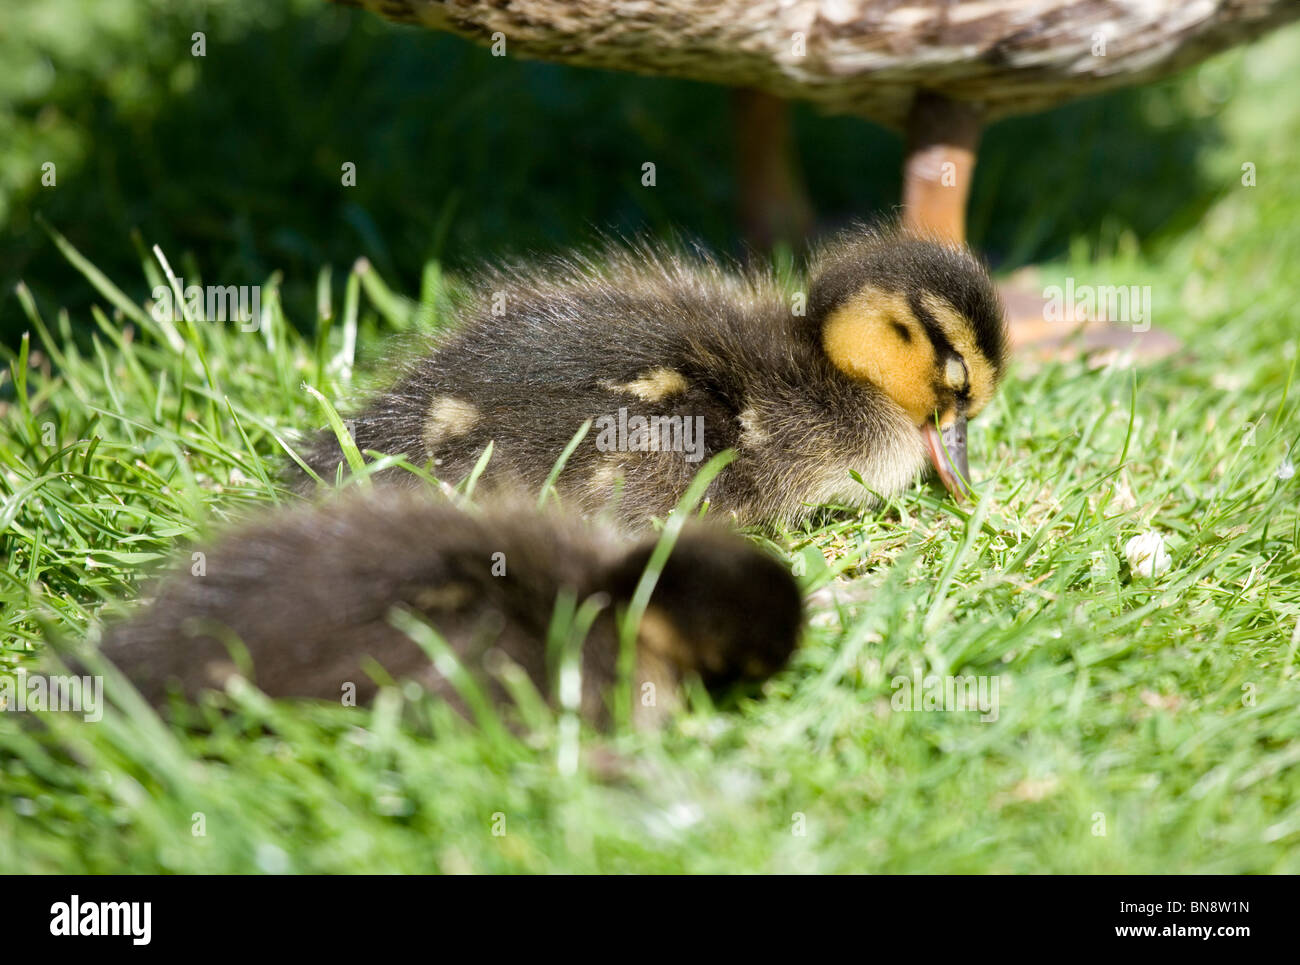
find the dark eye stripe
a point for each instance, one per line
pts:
(930, 326)
(902, 331)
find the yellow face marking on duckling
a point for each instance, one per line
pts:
(661, 639)
(448, 418)
(978, 371)
(655, 385)
(874, 336)
(662, 652)
(659, 635)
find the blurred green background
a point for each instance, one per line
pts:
(232, 161)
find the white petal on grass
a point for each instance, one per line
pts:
(1286, 470)
(1147, 556)
(271, 859)
(671, 822)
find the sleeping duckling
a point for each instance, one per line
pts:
(897, 342)
(303, 601)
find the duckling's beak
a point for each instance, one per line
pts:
(947, 449)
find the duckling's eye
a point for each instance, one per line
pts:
(903, 332)
(955, 375)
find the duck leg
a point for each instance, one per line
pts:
(942, 141)
(774, 205)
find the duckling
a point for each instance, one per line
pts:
(301, 602)
(896, 343)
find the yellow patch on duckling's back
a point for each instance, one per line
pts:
(448, 418)
(752, 433)
(875, 337)
(451, 596)
(606, 479)
(654, 385)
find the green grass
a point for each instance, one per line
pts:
(1161, 712)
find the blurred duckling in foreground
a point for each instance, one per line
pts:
(306, 598)
(896, 343)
